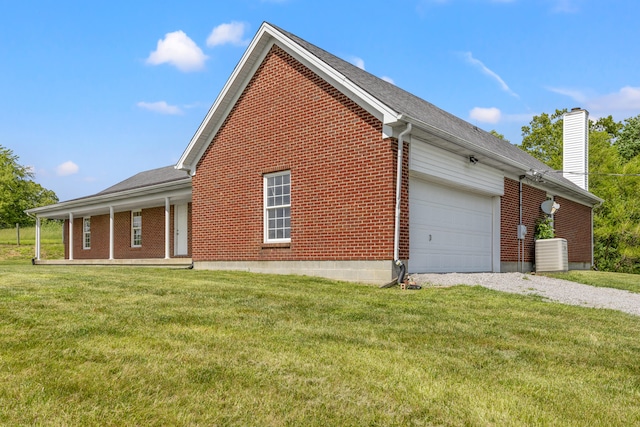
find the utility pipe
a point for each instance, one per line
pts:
(396, 240)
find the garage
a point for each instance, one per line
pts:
(451, 230)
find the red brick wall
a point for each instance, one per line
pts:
(152, 236)
(342, 173)
(572, 222)
(99, 238)
(509, 219)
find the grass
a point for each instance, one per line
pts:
(629, 282)
(51, 245)
(142, 346)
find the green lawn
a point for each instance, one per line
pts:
(630, 282)
(51, 245)
(143, 346)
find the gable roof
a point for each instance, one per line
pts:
(415, 109)
(393, 106)
(148, 178)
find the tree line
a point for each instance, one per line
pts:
(614, 176)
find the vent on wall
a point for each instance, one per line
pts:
(575, 143)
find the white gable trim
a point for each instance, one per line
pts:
(264, 39)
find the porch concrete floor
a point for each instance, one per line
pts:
(148, 262)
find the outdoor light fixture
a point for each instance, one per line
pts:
(535, 175)
(473, 159)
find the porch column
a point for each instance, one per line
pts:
(70, 236)
(167, 228)
(37, 238)
(111, 226)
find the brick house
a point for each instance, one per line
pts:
(307, 164)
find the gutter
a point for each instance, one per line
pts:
(581, 193)
(97, 199)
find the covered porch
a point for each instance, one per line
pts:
(144, 220)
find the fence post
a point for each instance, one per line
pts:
(18, 232)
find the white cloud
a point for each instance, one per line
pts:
(160, 107)
(67, 168)
(388, 79)
(485, 115)
(478, 64)
(627, 98)
(231, 33)
(358, 62)
(179, 50)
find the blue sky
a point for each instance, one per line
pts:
(92, 92)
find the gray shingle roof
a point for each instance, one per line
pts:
(148, 178)
(406, 103)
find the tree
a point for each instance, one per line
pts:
(18, 191)
(616, 225)
(628, 142)
(543, 138)
(498, 134)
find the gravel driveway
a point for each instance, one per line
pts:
(551, 289)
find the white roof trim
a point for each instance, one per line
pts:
(140, 197)
(576, 191)
(264, 39)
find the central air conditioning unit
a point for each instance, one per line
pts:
(551, 255)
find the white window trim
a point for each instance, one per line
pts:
(133, 245)
(85, 233)
(266, 208)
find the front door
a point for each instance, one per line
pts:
(181, 232)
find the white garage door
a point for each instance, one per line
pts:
(450, 229)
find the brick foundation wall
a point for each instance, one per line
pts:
(572, 222)
(342, 173)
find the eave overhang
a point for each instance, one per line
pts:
(464, 147)
(99, 204)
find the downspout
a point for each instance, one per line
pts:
(396, 239)
(521, 245)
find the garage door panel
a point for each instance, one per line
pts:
(450, 229)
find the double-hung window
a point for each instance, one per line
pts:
(86, 233)
(277, 207)
(136, 229)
